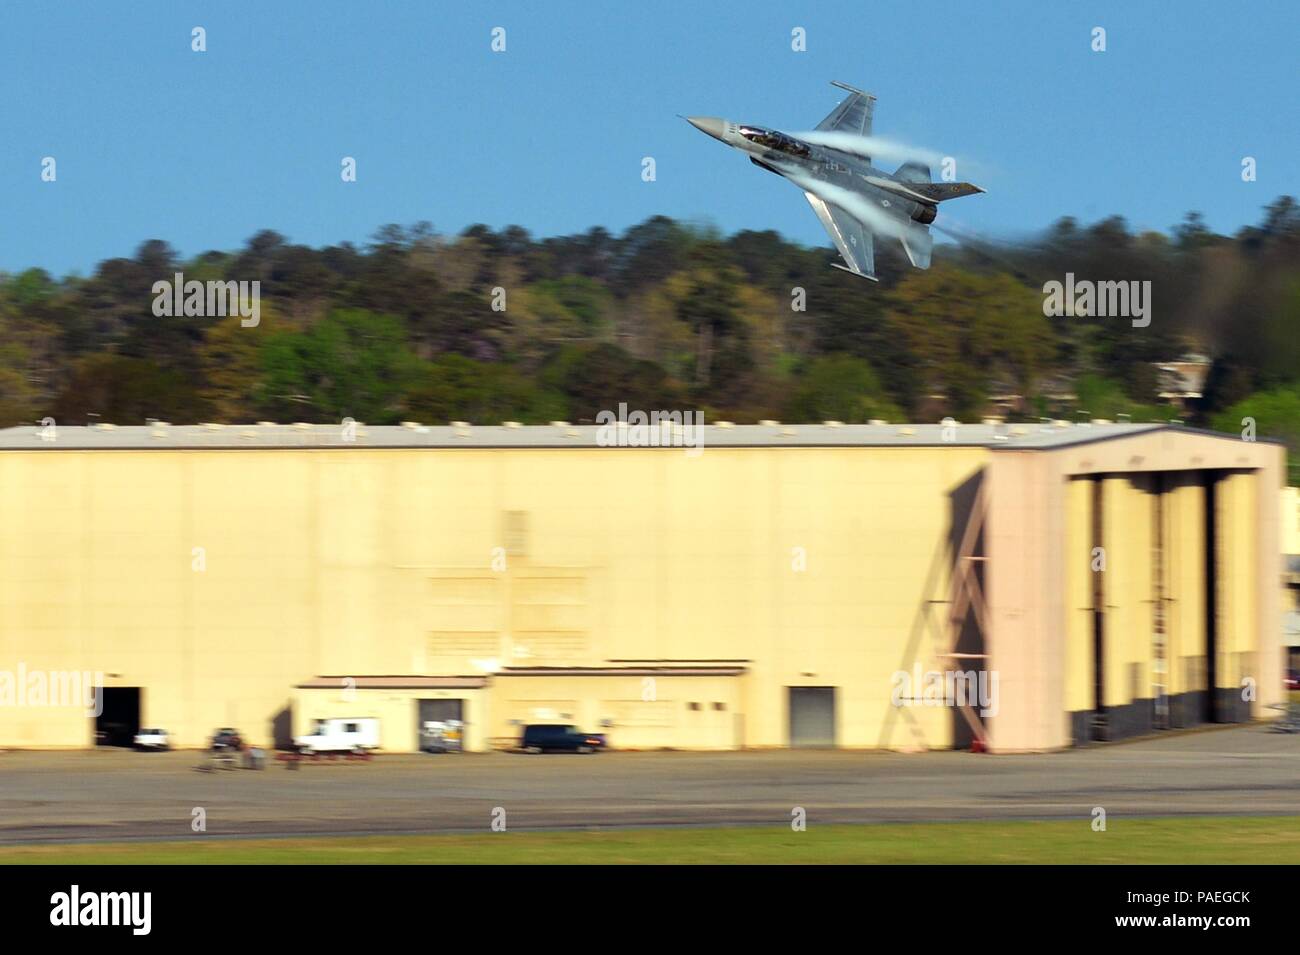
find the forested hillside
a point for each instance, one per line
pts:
(487, 326)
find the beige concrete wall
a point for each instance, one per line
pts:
(645, 712)
(1185, 580)
(1026, 593)
(817, 566)
(1289, 519)
(1128, 525)
(1079, 656)
(1238, 575)
(811, 566)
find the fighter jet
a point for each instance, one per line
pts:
(853, 198)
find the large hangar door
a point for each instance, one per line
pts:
(812, 716)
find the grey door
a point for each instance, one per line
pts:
(812, 715)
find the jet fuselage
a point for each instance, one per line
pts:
(782, 153)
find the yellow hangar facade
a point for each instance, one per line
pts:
(878, 586)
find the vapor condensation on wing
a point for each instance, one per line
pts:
(852, 203)
(872, 146)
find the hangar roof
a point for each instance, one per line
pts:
(1047, 435)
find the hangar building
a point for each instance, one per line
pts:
(783, 585)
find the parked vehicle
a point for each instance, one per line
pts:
(152, 739)
(1293, 679)
(559, 738)
(442, 736)
(227, 739)
(346, 735)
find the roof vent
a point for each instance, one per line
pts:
(877, 421)
(833, 424)
(248, 433)
(104, 426)
(559, 424)
(511, 424)
(1102, 421)
(991, 420)
(411, 425)
(302, 425)
(212, 426)
(460, 424)
(267, 424)
(769, 423)
(906, 432)
(723, 424)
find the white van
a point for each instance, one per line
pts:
(347, 735)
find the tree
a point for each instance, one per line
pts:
(128, 391)
(600, 377)
(230, 362)
(353, 364)
(1274, 414)
(968, 330)
(455, 388)
(840, 388)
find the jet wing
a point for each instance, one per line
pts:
(851, 237)
(853, 115)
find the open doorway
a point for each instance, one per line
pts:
(119, 719)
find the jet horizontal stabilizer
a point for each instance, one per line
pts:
(929, 192)
(943, 191)
(918, 243)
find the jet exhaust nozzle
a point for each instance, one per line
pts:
(925, 214)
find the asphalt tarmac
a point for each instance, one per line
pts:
(109, 795)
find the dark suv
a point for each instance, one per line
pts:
(559, 738)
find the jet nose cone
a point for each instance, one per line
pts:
(708, 124)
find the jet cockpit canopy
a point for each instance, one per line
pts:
(771, 139)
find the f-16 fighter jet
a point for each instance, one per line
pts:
(854, 199)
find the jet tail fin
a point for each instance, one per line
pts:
(912, 171)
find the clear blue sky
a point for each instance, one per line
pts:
(204, 149)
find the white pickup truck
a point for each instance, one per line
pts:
(347, 735)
